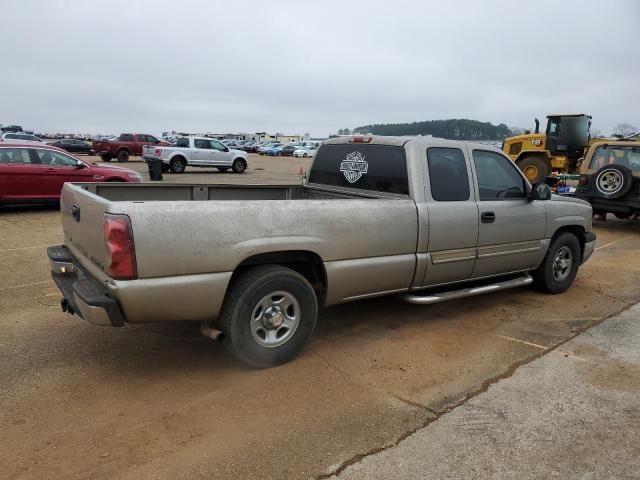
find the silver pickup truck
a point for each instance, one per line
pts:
(427, 219)
(196, 152)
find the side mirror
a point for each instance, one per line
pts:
(540, 191)
(80, 164)
(226, 149)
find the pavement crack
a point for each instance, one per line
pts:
(415, 404)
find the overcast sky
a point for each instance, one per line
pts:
(313, 66)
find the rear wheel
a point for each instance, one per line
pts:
(269, 315)
(535, 169)
(178, 165)
(239, 165)
(123, 156)
(304, 155)
(560, 264)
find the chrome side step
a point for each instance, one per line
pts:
(467, 292)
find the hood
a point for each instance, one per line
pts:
(562, 198)
(96, 167)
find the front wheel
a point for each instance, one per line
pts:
(105, 157)
(560, 264)
(269, 315)
(239, 165)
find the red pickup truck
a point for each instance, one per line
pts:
(124, 146)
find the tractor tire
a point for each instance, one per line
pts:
(535, 169)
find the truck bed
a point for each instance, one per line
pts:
(123, 192)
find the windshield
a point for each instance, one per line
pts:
(611, 155)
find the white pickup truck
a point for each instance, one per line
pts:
(196, 152)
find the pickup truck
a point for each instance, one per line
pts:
(427, 219)
(196, 152)
(126, 145)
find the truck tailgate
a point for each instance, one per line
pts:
(82, 222)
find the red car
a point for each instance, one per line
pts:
(35, 173)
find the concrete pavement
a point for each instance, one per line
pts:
(573, 413)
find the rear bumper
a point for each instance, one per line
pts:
(82, 294)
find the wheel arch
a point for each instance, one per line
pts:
(307, 263)
(577, 230)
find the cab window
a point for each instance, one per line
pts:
(497, 177)
(624, 156)
(448, 174)
(218, 146)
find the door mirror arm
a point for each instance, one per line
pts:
(80, 164)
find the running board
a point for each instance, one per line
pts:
(466, 292)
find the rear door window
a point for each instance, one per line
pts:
(126, 137)
(201, 143)
(14, 156)
(448, 175)
(380, 168)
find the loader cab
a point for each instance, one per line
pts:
(568, 135)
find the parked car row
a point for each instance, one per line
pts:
(303, 149)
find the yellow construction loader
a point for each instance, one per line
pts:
(564, 141)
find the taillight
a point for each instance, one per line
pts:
(158, 152)
(360, 139)
(121, 252)
(583, 181)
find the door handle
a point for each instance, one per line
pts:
(487, 217)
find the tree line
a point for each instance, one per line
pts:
(454, 129)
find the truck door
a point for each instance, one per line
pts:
(202, 152)
(222, 154)
(453, 216)
(511, 227)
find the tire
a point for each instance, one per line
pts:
(555, 275)
(304, 155)
(249, 332)
(239, 165)
(178, 165)
(105, 157)
(622, 216)
(612, 181)
(223, 169)
(123, 156)
(535, 169)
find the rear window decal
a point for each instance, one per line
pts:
(354, 166)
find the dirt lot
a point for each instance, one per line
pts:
(78, 401)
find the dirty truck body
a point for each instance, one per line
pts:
(377, 216)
